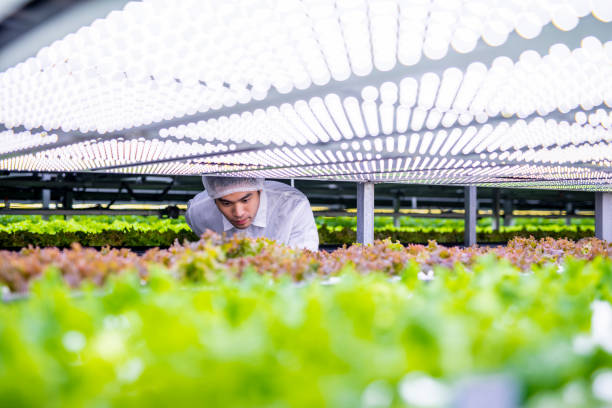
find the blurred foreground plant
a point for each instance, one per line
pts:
(217, 323)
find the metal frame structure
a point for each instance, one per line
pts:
(603, 216)
(470, 217)
(330, 199)
(325, 91)
(365, 213)
(92, 188)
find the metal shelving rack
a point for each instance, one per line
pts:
(465, 93)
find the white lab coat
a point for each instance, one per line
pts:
(284, 215)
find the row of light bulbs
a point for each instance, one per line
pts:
(452, 99)
(90, 155)
(521, 141)
(403, 170)
(11, 141)
(580, 185)
(114, 75)
(158, 60)
(599, 117)
(411, 104)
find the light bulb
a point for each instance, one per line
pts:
(428, 90)
(602, 9)
(464, 40)
(495, 33)
(369, 93)
(564, 17)
(408, 92)
(528, 25)
(388, 93)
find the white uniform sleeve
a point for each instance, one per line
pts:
(190, 221)
(194, 215)
(304, 232)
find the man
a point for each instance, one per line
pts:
(256, 208)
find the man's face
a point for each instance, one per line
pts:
(239, 208)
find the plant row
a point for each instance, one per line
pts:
(213, 256)
(152, 231)
(95, 221)
(445, 235)
(242, 322)
(453, 223)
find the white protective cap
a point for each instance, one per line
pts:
(217, 186)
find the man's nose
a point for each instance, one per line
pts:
(238, 210)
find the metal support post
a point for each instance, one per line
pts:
(46, 198)
(496, 220)
(292, 182)
(46, 195)
(68, 199)
(603, 216)
(568, 213)
(508, 212)
(396, 209)
(67, 202)
(471, 212)
(414, 203)
(365, 213)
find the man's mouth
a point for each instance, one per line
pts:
(241, 222)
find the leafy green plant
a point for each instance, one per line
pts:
(447, 235)
(427, 223)
(228, 323)
(213, 256)
(20, 231)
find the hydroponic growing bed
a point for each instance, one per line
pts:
(143, 232)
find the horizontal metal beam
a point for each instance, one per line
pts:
(11, 183)
(444, 215)
(450, 215)
(40, 211)
(64, 184)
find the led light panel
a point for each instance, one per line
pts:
(16, 141)
(93, 154)
(426, 91)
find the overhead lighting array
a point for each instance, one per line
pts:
(562, 80)
(11, 141)
(89, 155)
(396, 170)
(521, 142)
(586, 185)
(223, 67)
(157, 60)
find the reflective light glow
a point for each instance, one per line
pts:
(13, 142)
(90, 155)
(154, 60)
(542, 118)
